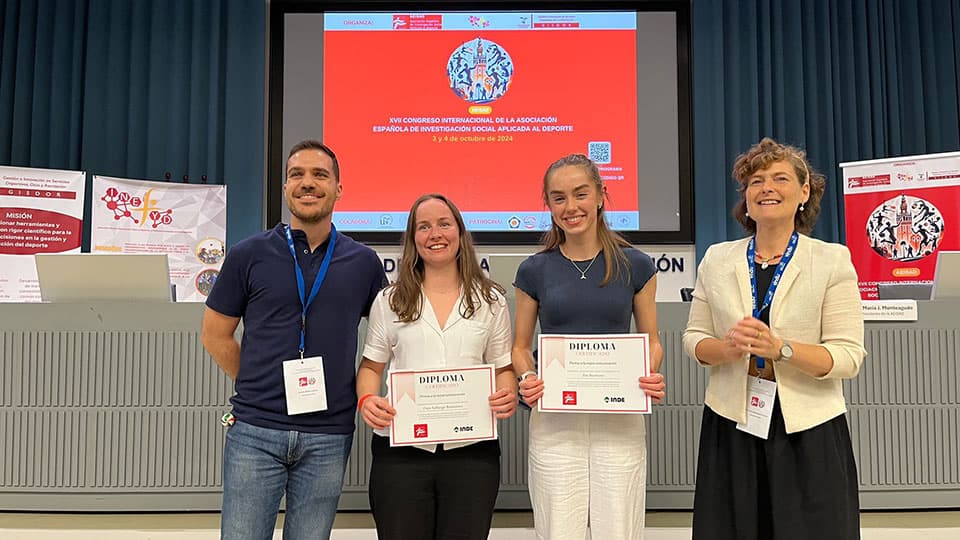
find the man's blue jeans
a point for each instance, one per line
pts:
(260, 465)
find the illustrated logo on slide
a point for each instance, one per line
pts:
(905, 228)
(125, 206)
(480, 71)
(478, 22)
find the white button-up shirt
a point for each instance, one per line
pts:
(484, 338)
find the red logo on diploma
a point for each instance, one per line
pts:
(419, 431)
(303, 381)
(569, 397)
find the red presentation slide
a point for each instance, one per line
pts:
(477, 115)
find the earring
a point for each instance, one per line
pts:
(746, 214)
(801, 207)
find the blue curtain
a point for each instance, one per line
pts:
(144, 87)
(138, 89)
(846, 80)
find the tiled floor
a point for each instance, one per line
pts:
(932, 525)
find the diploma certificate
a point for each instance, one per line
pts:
(442, 405)
(594, 373)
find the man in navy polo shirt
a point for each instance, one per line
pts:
(301, 291)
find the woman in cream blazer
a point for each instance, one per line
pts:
(783, 360)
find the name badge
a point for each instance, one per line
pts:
(304, 386)
(760, 396)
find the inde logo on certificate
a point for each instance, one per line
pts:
(420, 431)
(569, 397)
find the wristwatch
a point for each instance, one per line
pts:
(523, 375)
(786, 352)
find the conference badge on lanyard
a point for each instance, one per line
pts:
(304, 385)
(303, 379)
(760, 396)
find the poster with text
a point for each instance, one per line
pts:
(187, 222)
(41, 211)
(899, 213)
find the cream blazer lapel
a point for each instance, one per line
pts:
(742, 273)
(800, 261)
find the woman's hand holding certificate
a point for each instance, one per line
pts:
(655, 386)
(503, 403)
(376, 411)
(531, 388)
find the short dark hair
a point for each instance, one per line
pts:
(313, 144)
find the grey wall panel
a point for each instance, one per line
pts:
(513, 450)
(110, 449)
(905, 447)
(116, 407)
(672, 438)
(907, 366)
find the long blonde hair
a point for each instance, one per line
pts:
(405, 295)
(611, 243)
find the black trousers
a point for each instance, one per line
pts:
(799, 486)
(449, 495)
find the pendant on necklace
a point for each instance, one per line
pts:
(583, 273)
(765, 261)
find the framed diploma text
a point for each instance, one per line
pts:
(442, 405)
(595, 373)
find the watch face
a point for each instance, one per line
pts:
(786, 352)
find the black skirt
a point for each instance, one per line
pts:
(799, 486)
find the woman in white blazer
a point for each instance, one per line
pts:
(777, 318)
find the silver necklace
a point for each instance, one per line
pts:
(583, 273)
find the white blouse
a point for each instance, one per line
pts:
(484, 338)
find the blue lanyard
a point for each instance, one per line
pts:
(305, 302)
(777, 274)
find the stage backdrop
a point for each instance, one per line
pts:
(187, 222)
(40, 212)
(899, 213)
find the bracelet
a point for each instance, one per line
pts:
(362, 398)
(525, 373)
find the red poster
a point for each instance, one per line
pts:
(899, 214)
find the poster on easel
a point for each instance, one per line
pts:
(41, 211)
(899, 213)
(188, 222)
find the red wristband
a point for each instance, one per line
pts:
(360, 401)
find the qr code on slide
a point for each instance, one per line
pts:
(599, 152)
